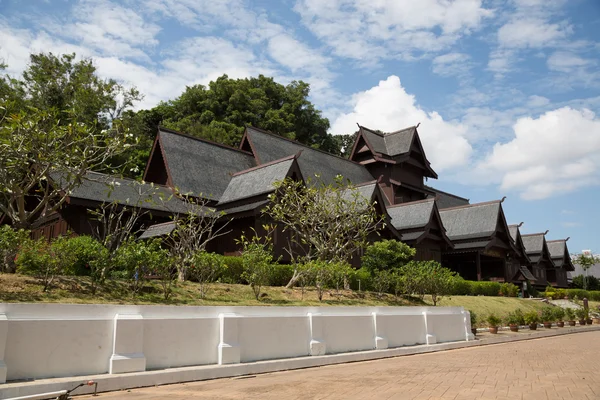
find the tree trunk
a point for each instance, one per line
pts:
(295, 277)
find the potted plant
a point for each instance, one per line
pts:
(493, 321)
(581, 315)
(588, 317)
(473, 322)
(547, 316)
(570, 316)
(515, 319)
(532, 318)
(559, 314)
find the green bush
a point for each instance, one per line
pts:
(366, 280)
(33, 258)
(592, 283)
(86, 252)
(205, 268)
(569, 314)
(559, 313)
(594, 295)
(547, 314)
(485, 288)
(473, 317)
(233, 271)
(579, 293)
(515, 317)
(387, 255)
(282, 273)
(460, 287)
(493, 320)
(509, 290)
(139, 259)
(10, 241)
(532, 317)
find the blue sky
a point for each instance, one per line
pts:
(507, 92)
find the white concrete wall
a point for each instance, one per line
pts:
(60, 340)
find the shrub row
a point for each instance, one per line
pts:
(578, 294)
(463, 287)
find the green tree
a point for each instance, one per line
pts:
(585, 262)
(10, 241)
(221, 110)
(328, 223)
(387, 255)
(205, 268)
(257, 261)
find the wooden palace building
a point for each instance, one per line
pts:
(388, 168)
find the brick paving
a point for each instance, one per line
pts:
(561, 367)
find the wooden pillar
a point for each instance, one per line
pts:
(478, 264)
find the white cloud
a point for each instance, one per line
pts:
(388, 107)
(551, 155)
(537, 101)
(532, 33)
(451, 64)
(566, 61)
(376, 29)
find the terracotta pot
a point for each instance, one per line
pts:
(582, 322)
(548, 325)
(514, 328)
(474, 331)
(572, 323)
(560, 324)
(533, 327)
(493, 329)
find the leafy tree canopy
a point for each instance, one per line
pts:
(220, 111)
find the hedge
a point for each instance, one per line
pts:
(463, 287)
(593, 295)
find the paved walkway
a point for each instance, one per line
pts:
(562, 367)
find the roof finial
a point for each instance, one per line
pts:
(547, 230)
(358, 125)
(502, 201)
(520, 225)
(567, 239)
(418, 125)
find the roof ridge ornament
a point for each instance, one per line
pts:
(503, 198)
(520, 225)
(547, 230)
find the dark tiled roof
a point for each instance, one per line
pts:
(556, 248)
(411, 215)
(107, 189)
(157, 230)
(514, 231)
(245, 207)
(256, 181)
(473, 221)
(534, 243)
(201, 167)
(366, 191)
(560, 254)
(527, 274)
(270, 147)
(390, 144)
(471, 245)
(447, 200)
(411, 235)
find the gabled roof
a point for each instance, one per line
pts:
(268, 147)
(478, 220)
(394, 145)
(415, 214)
(389, 144)
(257, 180)
(536, 247)
(158, 230)
(102, 188)
(413, 219)
(515, 235)
(560, 254)
(198, 166)
(446, 200)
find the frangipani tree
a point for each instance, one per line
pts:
(329, 223)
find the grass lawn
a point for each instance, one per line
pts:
(20, 288)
